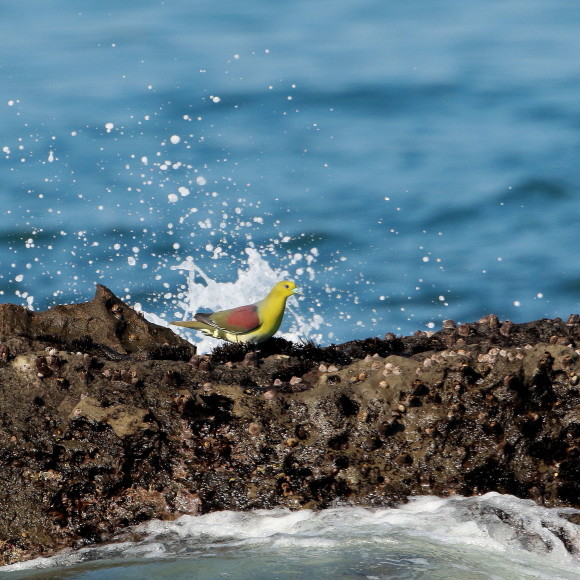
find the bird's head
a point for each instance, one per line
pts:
(286, 288)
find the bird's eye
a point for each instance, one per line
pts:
(286, 285)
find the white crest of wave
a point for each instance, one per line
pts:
(491, 523)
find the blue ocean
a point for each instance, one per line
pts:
(404, 163)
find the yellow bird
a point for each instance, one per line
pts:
(253, 323)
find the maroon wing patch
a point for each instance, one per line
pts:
(237, 320)
(243, 319)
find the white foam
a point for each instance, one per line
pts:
(492, 522)
(513, 532)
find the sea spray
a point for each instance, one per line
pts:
(253, 283)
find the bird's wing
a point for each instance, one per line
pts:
(237, 320)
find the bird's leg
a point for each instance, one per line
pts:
(251, 358)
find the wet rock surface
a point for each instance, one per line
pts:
(107, 420)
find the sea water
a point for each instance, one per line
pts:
(489, 537)
(404, 163)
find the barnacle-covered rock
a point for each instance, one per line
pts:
(107, 421)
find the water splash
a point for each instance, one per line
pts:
(167, 195)
(254, 280)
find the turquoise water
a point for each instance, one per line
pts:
(405, 164)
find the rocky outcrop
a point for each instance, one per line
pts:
(105, 323)
(107, 420)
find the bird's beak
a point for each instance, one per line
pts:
(296, 291)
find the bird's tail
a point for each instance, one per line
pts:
(189, 324)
